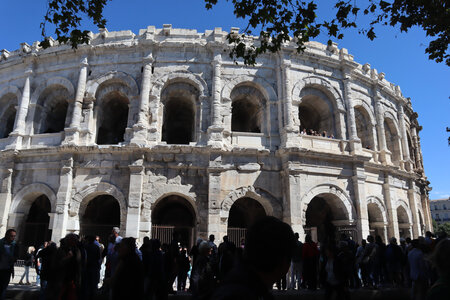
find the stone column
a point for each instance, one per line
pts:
(217, 218)
(413, 207)
(5, 193)
(355, 143)
(403, 134)
(135, 198)
(73, 132)
(416, 146)
(393, 230)
(380, 127)
(88, 132)
(292, 206)
(140, 128)
(215, 136)
(287, 97)
(63, 197)
(427, 212)
(289, 133)
(20, 123)
(362, 223)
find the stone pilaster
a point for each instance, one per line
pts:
(88, 131)
(403, 137)
(5, 195)
(289, 132)
(217, 219)
(355, 143)
(20, 123)
(140, 128)
(215, 132)
(72, 134)
(413, 207)
(292, 209)
(415, 146)
(393, 230)
(63, 197)
(135, 198)
(427, 212)
(379, 114)
(362, 213)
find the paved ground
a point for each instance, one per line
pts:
(31, 292)
(16, 292)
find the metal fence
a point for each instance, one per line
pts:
(165, 234)
(235, 235)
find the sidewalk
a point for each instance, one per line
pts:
(16, 292)
(31, 292)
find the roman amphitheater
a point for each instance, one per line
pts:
(162, 133)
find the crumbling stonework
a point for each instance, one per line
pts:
(173, 130)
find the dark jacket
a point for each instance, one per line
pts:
(9, 259)
(242, 283)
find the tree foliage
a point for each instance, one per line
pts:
(275, 21)
(443, 227)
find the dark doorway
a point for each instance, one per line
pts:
(101, 215)
(173, 217)
(319, 217)
(243, 213)
(178, 125)
(36, 224)
(114, 120)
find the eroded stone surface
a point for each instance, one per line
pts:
(148, 121)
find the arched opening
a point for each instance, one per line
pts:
(56, 117)
(101, 215)
(243, 213)
(326, 218)
(179, 121)
(113, 118)
(364, 128)
(376, 221)
(36, 229)
(404, 225)
(174, 218)
(51, 110)
(392, 141)
(246, 109)
(316, 113)
(7, 121)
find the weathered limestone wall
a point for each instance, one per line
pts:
(373, 180)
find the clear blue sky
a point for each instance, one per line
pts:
(399, 55)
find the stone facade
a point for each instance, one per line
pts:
(176, 133)
(440, 210)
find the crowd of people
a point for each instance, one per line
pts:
(316, 133)
(272, 255)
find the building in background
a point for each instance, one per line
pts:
(440, 210)
(160, 133)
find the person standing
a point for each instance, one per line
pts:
(296, 264)
(418, 270)
(29, 258)
(310, 257)
(8, 256)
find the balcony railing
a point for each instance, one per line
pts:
(323, 144)
(46, 139)
(248, 139)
